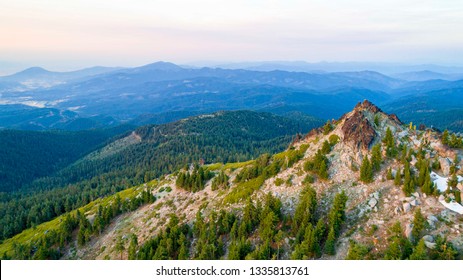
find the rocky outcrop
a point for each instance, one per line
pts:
(367, 105)
(358, 130)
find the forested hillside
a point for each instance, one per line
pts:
(145, 154)
(28, 155)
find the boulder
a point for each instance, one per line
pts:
(407, 207)
(432, 218)
(428, 238)
(372, 202)
(430, 245)
(445, 166)
(402, 134)
(408, 231)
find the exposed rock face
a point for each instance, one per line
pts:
(445, 166)
(367, 105)
(358, 130)
(395, 118)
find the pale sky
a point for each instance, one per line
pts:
(64, 35)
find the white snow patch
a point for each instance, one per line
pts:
(453, 206)
(441, 184)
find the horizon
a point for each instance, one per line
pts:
(359, 65)
(68, 36)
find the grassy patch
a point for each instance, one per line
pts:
(244, 190)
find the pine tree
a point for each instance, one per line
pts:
(120, 246)
(327, 127)
(389, 174)
(428, 186)
(330, 242)
(419, 223)
(326, 147)
(390, 143)
(323, 172)
(398, 177)
(376, 157)
(366, 171)
(409, 184)
(420, 252)
(132, 254)
(445, 137)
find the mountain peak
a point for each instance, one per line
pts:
(367, 105)
(32, 71)
(366, 123)
(161, 65)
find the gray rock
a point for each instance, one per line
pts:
(428, 238)
(406, 207)
(376, 195)
(372, 202)
(403, 134)
(375, 209)
(430, 245)
(416, 194)
(408, 231)
(445, 166)
(414, 202)
(432, 218)
(397, 210)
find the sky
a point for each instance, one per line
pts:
(65, 35)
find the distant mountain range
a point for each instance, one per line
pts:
(97, 97)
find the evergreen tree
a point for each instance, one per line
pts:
(389, 174)
(120, 246)
(428, 186)
(330, 242)
(326, 147)
(327, 127)
(409, 184)
(420, 252)
(419, 223)
(366, 171)
(356, 251)
(398, 177)
(132, 253)
(376, 157)
(337, 215)
(323, 171)
(445, 137)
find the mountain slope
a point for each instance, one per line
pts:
(29, 155)
(38, 119)
(440, 108)
(141, 155)
(329, 195)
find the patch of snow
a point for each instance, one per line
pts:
(453, 206)
(441, 182)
